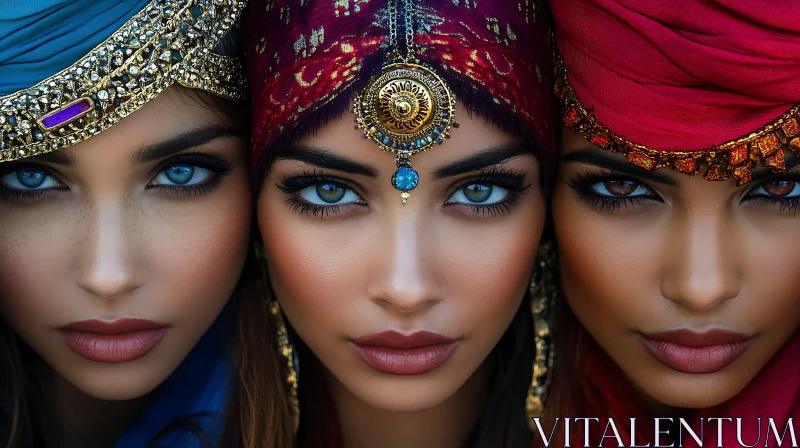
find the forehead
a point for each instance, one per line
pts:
(474, 134)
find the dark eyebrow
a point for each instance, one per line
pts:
(482, 159)
(792, 161)
(608, 160)
(189, 139)
(324, 158)
(56, 158)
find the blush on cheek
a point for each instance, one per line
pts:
(306, 274)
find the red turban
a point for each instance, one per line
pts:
(307, 57)
(683, 83)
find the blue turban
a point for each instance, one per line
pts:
(39, 38)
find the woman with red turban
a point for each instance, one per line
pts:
(674, 212)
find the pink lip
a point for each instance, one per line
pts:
(688, 351)
(394, 353)
(112, 342)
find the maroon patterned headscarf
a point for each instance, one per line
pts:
(305, 59)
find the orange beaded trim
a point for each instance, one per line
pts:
(737, 158)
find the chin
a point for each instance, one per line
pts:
(403, 394)
(116, 382)
(683, 390)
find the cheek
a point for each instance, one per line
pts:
(306, 257)
(488, 271)
(608, 266)
(35, 261)
(771, 284)
(198, 252)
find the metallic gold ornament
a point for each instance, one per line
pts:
(406, 108)
(543, 295)
(168, 42)
(284, 344)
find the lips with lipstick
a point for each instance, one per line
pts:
(689, 351)
(113, 342)
(394, 353)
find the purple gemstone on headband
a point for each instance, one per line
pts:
(67, 114)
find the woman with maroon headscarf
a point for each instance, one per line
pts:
(401, 251)
(681, 289)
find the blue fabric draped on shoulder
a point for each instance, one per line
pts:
(39, 38)
(192, 401)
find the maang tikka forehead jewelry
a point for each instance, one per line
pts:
(406, 108)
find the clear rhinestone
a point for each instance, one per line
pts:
(102, 95)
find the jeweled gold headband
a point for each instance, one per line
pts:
(169, 41)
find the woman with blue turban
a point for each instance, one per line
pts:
(126, 219)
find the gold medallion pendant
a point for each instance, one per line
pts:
(405, 109)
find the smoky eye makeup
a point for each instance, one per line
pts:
(782, 191)
(188, 174)
(22, 182)
(316, 194)
(489, 193)
(492, 192)
(608, 191)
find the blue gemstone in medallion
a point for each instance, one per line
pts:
(405, 178)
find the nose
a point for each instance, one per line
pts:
(107, 269)
(405, 281)
(701, 265)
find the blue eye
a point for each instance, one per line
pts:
(182, 175)
(479, 193)
(29, 179)
(620, 188)
(328, 194)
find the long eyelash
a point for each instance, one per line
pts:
(509, 180)
(292, 185)
(307, 209)
(503, 178)
(217, 165)
(791, 205)
(582, 183)
(19, 196)
(498, 209)
(12, 195)
(195, 190)
(308, 178)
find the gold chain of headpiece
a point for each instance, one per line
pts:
(735, 159)
(169, 41)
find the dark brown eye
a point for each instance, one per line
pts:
(621, 187)
(779, 188)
